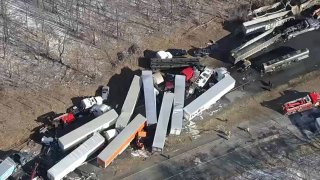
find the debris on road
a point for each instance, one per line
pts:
(140, 153)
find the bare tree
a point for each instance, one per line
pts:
(61, 46)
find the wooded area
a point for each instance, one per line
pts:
(59, 41)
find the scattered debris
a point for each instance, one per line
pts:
(140, 153)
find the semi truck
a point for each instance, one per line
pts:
(302, 104)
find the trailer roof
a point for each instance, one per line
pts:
(129, 103)
(163, 121)
(212, 95)
(178, 104)
(76, 157)
(121, 141)
(81, 133)
(149, 97)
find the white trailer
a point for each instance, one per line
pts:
(80, 134)
(149, 97)
(264, 26)
(75, 158)
(284, 61)
(265, 23)
(129, 103)
(208, 98)
(7, 168)
(121, 141)
(163, 121)
(178, 104)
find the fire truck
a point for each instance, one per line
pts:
(302, 104)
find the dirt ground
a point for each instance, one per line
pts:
(20, 108)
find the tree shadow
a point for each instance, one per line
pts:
(119, 85)
(223, 46)
(144, 61)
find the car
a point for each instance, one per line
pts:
(87, 103)
(105, 92)
(177, 52)
(202, 52)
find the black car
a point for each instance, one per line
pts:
(177, 52)
(201, 52)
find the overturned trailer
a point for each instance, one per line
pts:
(75, 158)
(81, 133)
(265, 23)
(163, 121)
(178, 104)
(129, 103)
(255, 45)
(121, 141)
(149, 97)
(268, 10)
(284, 61)
(208, 98)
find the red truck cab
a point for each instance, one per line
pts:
(302, 104)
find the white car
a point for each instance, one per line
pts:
(89, 102)
(105, 92)
(204, 77)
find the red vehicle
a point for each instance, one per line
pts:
(66, 118)
(188, 72)
(302, 104)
